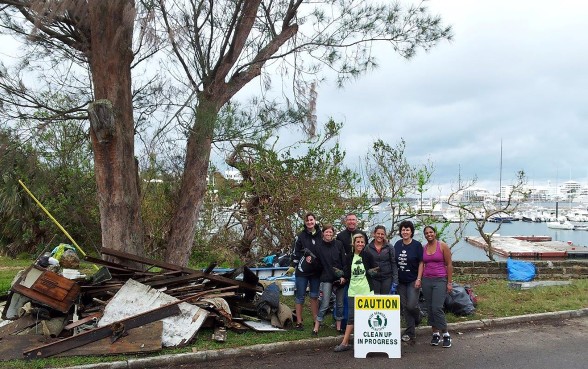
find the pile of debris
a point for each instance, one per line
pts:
(122, 309)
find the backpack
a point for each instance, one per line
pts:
(458, 301)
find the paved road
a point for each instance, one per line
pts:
(544, 344)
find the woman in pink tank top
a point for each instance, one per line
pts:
(436, 282)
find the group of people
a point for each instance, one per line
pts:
(348, 265)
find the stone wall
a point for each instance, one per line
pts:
(564, 269)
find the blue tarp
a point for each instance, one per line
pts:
(520, 271)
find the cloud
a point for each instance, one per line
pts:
(515, 72)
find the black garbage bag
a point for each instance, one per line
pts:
(269, 302)
(459, 301)
(284, 260)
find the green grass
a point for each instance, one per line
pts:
(495, 299)
(8, 269)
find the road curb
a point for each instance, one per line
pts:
(208, 355)
(497, 322)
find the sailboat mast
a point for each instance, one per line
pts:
(500, 178)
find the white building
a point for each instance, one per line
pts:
(538, 193)
(476, 194)
(570, 187)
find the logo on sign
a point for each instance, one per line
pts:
(377, 321)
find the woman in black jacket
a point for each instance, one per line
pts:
(384, 270)
(332, 256)
(308, 267)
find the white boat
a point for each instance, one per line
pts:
(452, 216)
(577, 215)
(562, 224)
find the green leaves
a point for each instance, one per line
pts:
(280, 186)
(394, 179)
(56, 166)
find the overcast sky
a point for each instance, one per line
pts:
(516, 71)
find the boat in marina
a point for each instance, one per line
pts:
(501, 218)
(577, 215)
(452, 216)
(562, 224)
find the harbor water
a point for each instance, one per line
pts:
(463, 251)
(466, 252)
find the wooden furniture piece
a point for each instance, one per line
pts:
(47, 288)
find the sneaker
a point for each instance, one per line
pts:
(341, 348)
(435, 340)
(299, 327)
(405, 338)
(446, 341)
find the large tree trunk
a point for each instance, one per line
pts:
(193, 187)
(112, 125)
(215, 93)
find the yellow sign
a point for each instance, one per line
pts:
(391, 302)
(377, 325)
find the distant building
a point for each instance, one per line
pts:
(475, 194)
(505, 192)
(570, 187)
(567, 191)
(538, 193)
(519, 195)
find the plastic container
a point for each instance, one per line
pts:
(288, 288)
(70, 273)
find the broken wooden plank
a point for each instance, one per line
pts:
(119, 268)
(143, 339)
(168, 266)
(12, 347)
(217, 292)
(189, 288)
(161, 276)
(83, 320)
(140, 259)
(94, 335)
(171, 281)
(17, 325)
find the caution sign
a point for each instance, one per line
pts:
(377, 325)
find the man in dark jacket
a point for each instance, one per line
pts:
(346, 238)
(346, 235)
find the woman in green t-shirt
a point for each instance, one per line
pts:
(359, 283)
